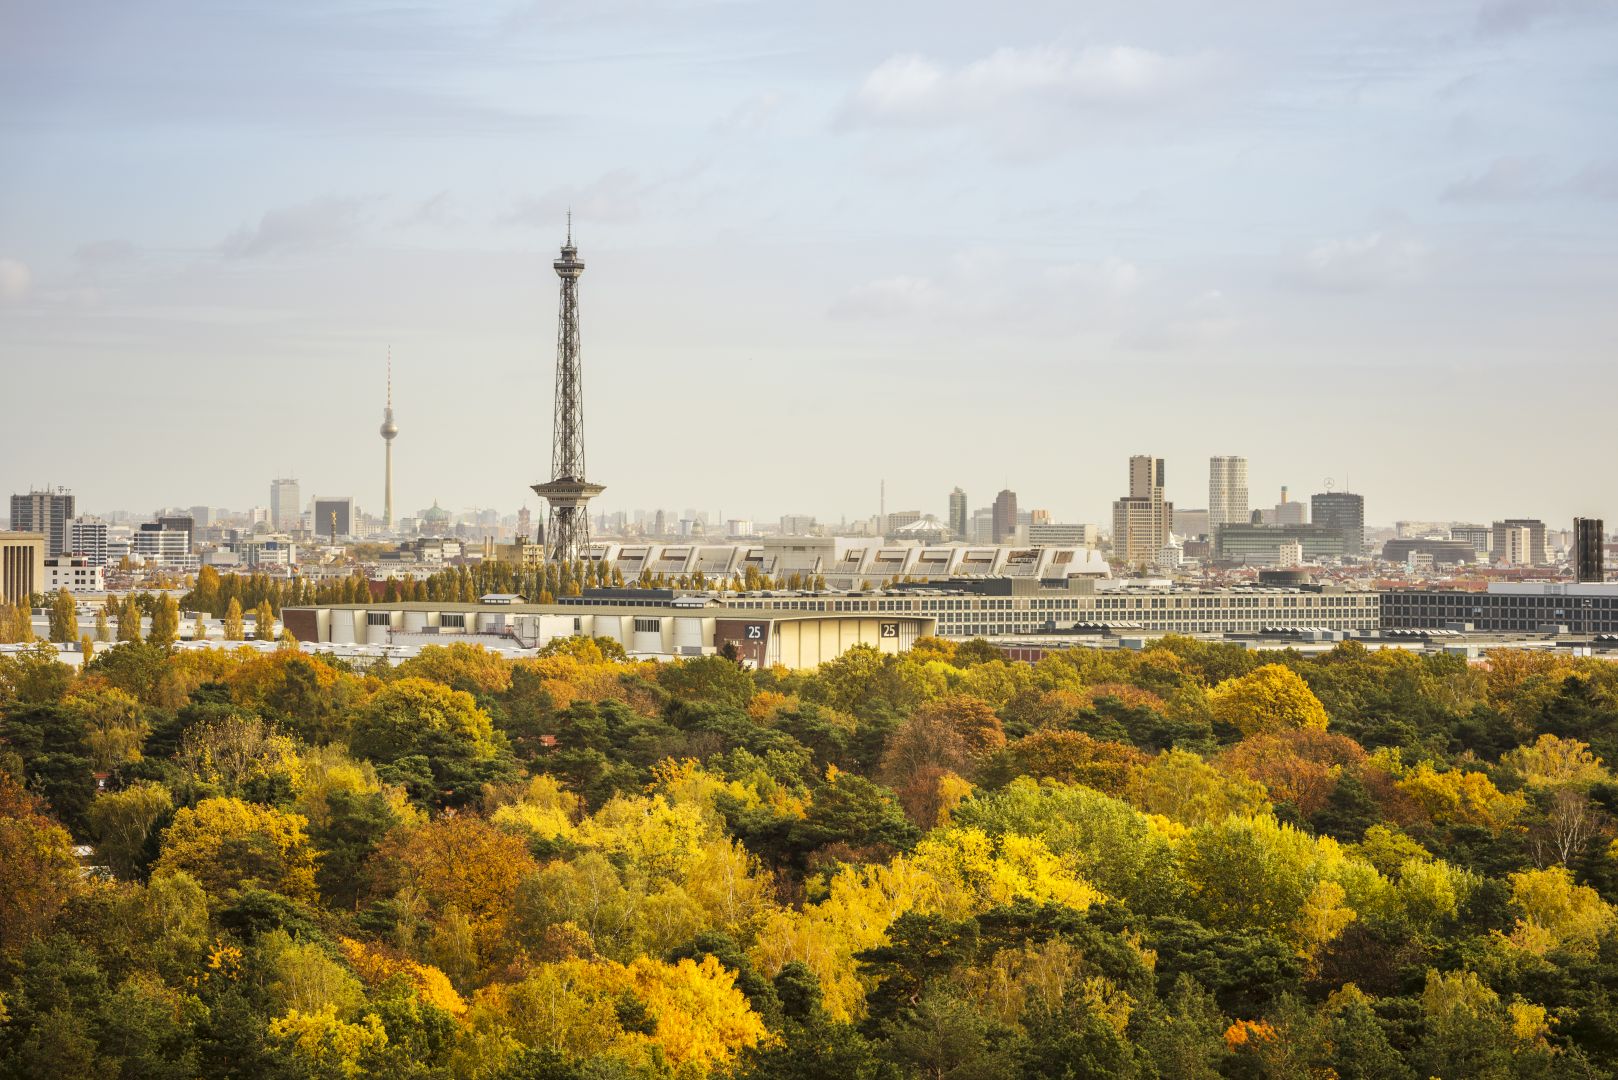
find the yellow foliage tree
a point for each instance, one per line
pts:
(1180, 786)
(228, 845)
(1461, 798)
(1556, 762)
(1557, 913)
(331, 1045)
(464, 667)
(694, 1018)
(1269, 698)
(376, 965)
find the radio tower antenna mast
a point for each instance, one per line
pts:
(567, 534)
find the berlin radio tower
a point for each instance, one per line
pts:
(568, 534)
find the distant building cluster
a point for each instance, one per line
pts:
(798, 590)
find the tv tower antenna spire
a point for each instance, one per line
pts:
(567, 534)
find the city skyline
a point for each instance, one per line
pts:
(1319, 232)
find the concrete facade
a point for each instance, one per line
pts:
(22, 566)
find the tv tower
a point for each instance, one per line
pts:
(567, 535)
(389, 431)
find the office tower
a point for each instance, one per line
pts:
(1227, 491)
(46, 512)
(1005, 517)
(88, 537)
(180, 523)
(567, 491)
(959, 516)
(334, 517)
(22, 564)
(153, 540)
(202, 516)
(389, 431)
(1535, 553)
(1142, 520)
(1589, 539)
(525, 524)
(1481, 537)
(286, 505)
(1343, 511)
(982, 528)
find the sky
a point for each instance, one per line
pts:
(827, 244)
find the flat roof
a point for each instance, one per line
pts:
(713, 610)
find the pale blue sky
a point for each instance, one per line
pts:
(942, 243)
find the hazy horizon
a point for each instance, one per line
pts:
(938, 244)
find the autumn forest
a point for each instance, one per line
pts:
(1186, 861)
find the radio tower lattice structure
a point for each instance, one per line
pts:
(567, 534)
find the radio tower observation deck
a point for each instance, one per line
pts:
(567, 535)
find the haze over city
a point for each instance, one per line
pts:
(940, 244)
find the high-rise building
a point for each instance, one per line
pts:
(46, 512)
(1481, 537)
(1589, 540)
(1343, 511)
(154, 542)
(981, 528)
(959, 516)
(389, 431)
(1503, 548)
(568, 530)
(286, 505)
(1005, 517)
(1142, 520)
(180, 523)
(88, 537)
(1227, 491)
(22, 565)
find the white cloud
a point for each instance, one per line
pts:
(15, 280)
(1361, 263)
(1115, 277)
(913, 89)
(1505, 179)
(310, 226)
